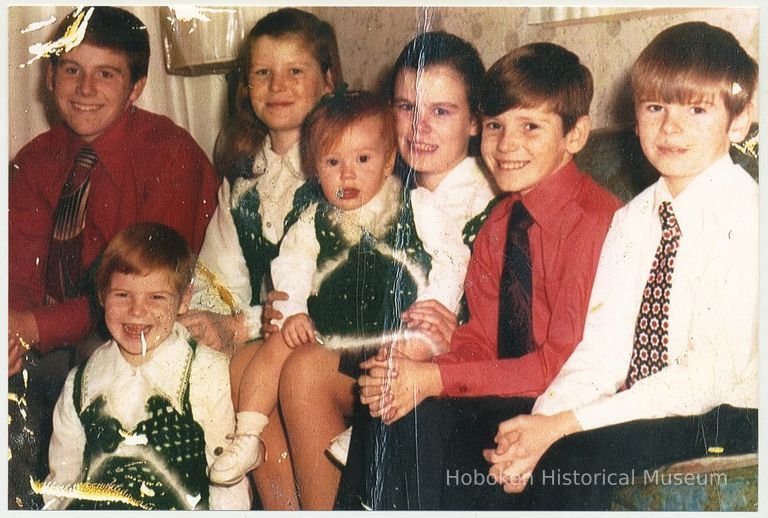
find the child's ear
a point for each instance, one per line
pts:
(137, 89)
(389, 166)
(185, 299)
(577, 137)
(474, 128)
(49, 76)
(328, 88)
(740, 124)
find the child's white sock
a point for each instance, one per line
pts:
(250, 423)
(245, 453)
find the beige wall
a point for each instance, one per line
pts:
(370, 39)
(369, 43)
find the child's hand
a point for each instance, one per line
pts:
(269, 313)
(521, 442)
(219, 332)
(434, 320)
(414, 348)
(407, 384)
(373, 384)
(298, 329)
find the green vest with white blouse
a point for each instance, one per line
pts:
(164, 468)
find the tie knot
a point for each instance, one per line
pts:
(520, 218)
(668, 219)
(86, 157)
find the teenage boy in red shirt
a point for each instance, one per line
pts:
(106, 165)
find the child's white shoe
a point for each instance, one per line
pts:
(244, 454)
(339, 447)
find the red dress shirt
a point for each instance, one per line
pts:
(149, 169)
(571, 216)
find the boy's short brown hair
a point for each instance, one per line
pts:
(536, 74)
(144, 247)
(335, 112)
(112, 28)
(680, 63)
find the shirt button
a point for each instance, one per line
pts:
(218, 451)
(269, 224)
(463, 389)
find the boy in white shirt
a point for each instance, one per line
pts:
(139, 423)
(667, 368)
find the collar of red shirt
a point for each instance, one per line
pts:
(547, 199)
(110, 146)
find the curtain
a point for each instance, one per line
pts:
(198, 104)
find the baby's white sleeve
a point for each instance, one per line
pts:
(294, 268)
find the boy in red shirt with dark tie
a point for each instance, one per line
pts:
(527, 289)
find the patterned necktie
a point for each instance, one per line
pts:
(515, 335)
(64, 257)
(649, 353)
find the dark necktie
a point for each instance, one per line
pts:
(515, 335)
(64, 257)
(649, 354)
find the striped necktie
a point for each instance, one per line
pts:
(64, 257)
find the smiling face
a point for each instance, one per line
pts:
(434, 121)
(522, 146)
(682, 140)
(356, 165)
(92, 88)
(284, 83)
(136, 304)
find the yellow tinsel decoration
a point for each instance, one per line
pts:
(87, 491)
(221, 290)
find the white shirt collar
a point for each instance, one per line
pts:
(164, 372)
(689, 205)
(269, 162)
(375, 217)
(465, 173)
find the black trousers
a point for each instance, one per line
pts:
(409, 464)
(30, 423)
(581, 471)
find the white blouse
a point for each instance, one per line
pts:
(464, 192)
(276, 179)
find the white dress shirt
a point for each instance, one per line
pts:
(127, 388)
(713, 317)
(276, 179)
(295, 272)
